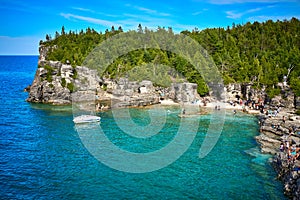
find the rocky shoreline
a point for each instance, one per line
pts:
(280, 136)
(57, 83)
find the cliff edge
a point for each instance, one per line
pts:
(55, 82)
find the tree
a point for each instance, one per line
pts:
(120, 29)
(48, 38)
(63, 30)
(112, 29)
(140, 28)
(258, 52)
(56, 35)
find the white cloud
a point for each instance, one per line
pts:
(83, 9)
(199, 12)
(145, 9)
(232, 15)
(87, 19)
(93, 11)
(148, 11)
(153, 12)
(237, 15)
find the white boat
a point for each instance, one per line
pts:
(86, 119)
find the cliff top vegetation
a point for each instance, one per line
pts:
(258, 53)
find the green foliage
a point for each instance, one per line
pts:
(75, 74)
(63, 82)
(70, 86)
(49, 78)
(297, 112)
(258, 53)
(295, 85)
(104, 87)
(74, 47)
(49, 73)
(272, 92)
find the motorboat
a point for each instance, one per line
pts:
(86, 119)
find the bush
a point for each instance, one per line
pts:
(49, 78)
(272, 92)
(75, 75)
(70, 86)
(63, 82)
(49, 73)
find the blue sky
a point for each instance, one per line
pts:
(25, 23)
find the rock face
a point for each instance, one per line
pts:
(278, 129)
(289, 173)
(50, 83)
(287, 99)
(275, 130)
(236, 91)
(184, 92)
(125, 93)
(54, 83)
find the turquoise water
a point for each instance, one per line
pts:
(42, 156)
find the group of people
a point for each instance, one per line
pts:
(291, 149)
(273, 113)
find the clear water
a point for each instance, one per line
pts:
(42, 157)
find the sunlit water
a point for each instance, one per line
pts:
(42, 156)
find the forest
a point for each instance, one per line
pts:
(260, 53)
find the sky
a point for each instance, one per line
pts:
(25, 22)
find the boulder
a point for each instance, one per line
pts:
(184, 92)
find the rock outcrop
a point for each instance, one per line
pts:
(289, 173)
(55, 82)
(279, 130)
(183, 92)
(52, 83)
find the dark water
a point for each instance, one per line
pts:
(42, 156)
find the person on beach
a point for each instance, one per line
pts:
(281, 148)
(293, 154)
(287, 145)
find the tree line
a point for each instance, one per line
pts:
(258, 53)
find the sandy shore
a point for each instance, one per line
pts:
(220, 105)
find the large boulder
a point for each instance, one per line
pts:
(184, 92)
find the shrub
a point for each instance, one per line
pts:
(63, 82)
(70, 86)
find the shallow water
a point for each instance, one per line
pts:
(42, 156)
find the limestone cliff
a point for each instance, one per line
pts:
(55, 82)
